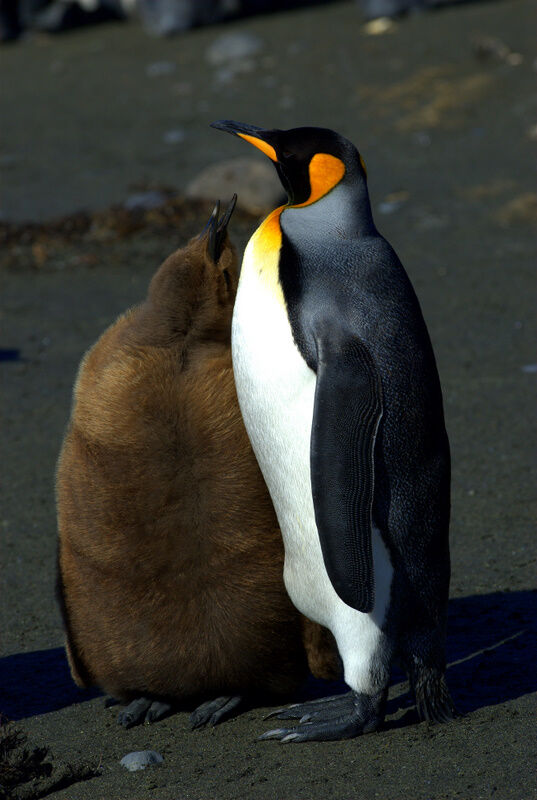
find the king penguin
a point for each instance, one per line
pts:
(169, 553)
(340, 394)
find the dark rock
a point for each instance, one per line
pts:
(255, 182)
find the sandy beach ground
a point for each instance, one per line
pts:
(443, 109)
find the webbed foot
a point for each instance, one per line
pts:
(143, 709)
(329, 718)
(214, 711)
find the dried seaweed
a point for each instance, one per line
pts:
(25, 772)
(19, 764)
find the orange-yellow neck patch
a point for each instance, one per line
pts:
(263, 251)
(265, 148)
(262, 254)
(325, 172)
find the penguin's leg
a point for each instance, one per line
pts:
(423, 656)
(366, 651)
(143, 709)
(214, 711)
(341, 716)
(433, 698)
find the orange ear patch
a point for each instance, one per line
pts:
(325, 172)
(265, 148)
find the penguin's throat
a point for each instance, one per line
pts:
(262, 255)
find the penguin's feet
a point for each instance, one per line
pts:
(341, 717)
(214, 711)
(143, 709)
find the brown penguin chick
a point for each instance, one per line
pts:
(170, 556)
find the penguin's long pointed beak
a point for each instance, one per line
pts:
(259, 137)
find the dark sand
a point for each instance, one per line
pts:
(452, 134)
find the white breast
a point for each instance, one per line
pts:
(276, 392)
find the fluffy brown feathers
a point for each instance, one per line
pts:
(170, 557)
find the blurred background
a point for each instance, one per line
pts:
(105, 105)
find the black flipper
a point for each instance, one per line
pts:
(346, 415)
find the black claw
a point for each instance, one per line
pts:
(214, 711)
(110, 701)
(157, 711)
(134, 713)
(313, 707)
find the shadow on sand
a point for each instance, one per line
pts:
(36, 683)
(492, 652)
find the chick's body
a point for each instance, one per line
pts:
(170, 556)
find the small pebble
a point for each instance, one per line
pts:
(379, 26)
(175, 136)
(140, 760)
(145, 200)
(393, 202)
(159, 68)
(232, 47)
(422, 138)
(529, 368)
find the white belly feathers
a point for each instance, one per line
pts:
(276, 392)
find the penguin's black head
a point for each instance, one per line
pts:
(309, 161)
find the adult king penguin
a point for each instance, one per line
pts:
(339, 391)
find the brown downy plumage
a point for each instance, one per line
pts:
(170, 556)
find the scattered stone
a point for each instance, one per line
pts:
(422, 138)
(487, 47)
(431, 222)
(287, 102)
(520, 209)
(233, 47)
(529, 368)
(393, 202)
(182, 88)
(145, 200)
(256, 184)
(159, 68)
(379, 26)
(140, 760)
(492, 188)
(227, 73)
(166, 17)
(175, 136)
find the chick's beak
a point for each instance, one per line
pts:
(216, 229)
